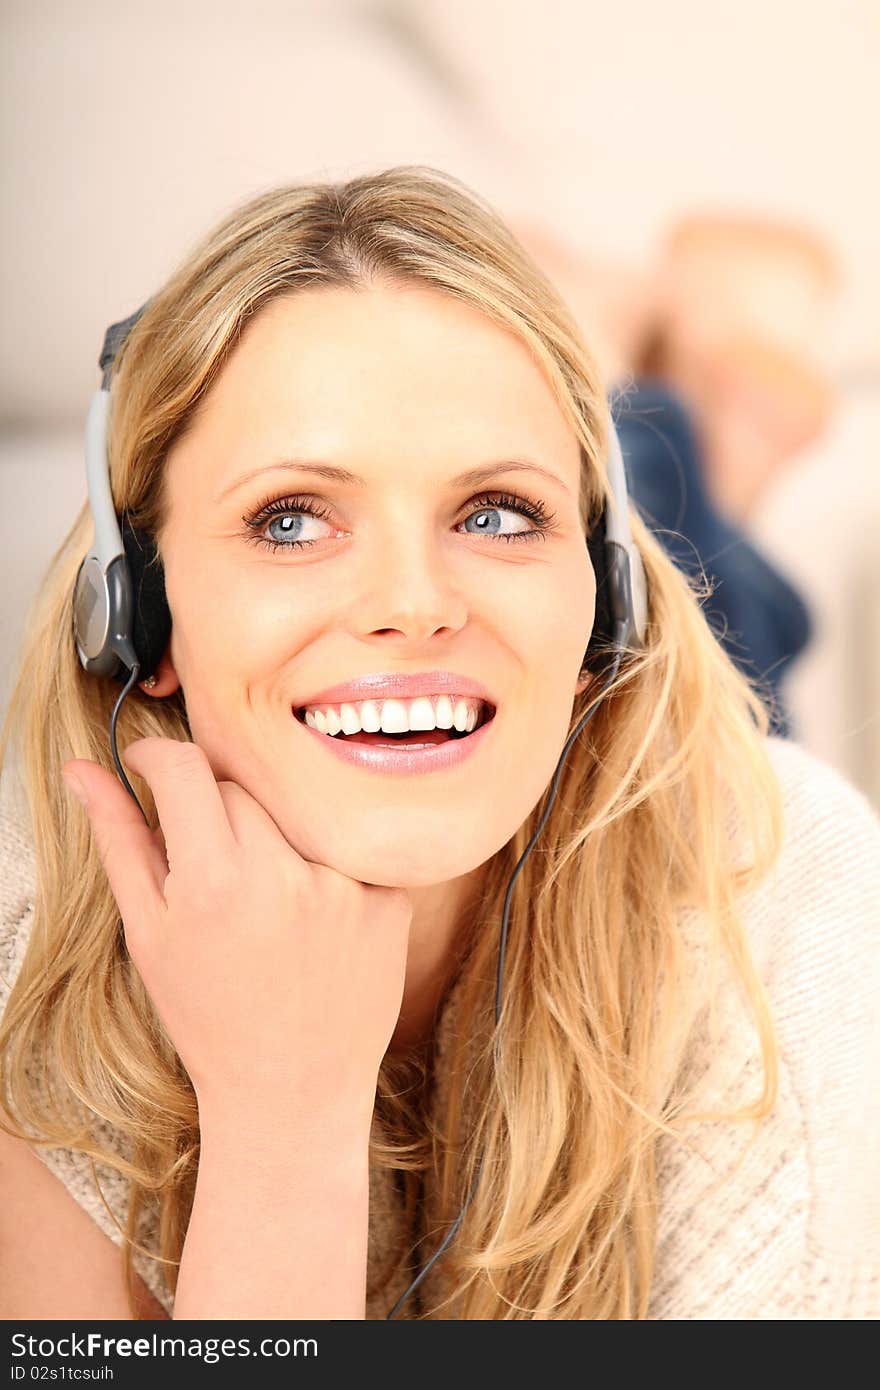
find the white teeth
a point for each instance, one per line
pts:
(421, 713)
(444, 712)
(397, 716)
(394, 717)
(351, 724)
(371, 717)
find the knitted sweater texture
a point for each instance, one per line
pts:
(786, 1226)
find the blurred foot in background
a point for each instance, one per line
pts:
(744, 337)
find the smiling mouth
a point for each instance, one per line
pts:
(411, 738)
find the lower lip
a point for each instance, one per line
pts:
(434, 757)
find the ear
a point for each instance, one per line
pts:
(166, 677)
(584, 681)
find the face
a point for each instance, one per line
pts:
(406, 572)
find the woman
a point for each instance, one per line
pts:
(284, 1067)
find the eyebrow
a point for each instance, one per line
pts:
(471, 478)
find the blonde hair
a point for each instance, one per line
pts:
(596, 981)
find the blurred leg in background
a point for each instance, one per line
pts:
(757, 616)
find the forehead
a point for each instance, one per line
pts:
(388, 374)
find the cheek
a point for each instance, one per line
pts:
(556, 626)
(566, 632)
(238, 629)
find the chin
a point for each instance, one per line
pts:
(403, 865)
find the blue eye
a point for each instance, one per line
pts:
(272, 510)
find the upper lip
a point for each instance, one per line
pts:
(388, 686)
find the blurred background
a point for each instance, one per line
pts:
(695, 179)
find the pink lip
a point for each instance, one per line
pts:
(387, 686)
(434, 757)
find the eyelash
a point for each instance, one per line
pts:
(271, 507)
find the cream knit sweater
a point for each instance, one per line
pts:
(793, 1231)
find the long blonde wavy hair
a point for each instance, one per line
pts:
(596, 981)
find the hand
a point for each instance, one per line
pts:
(277, 979)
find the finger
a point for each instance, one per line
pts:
(133, 861)
(159, 837)
(188, 801)
(252, 825)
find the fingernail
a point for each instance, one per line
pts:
(74, 785)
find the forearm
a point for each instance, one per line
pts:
(279, 1222)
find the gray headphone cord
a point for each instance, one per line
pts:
(132, 680)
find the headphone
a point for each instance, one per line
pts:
(122, 622)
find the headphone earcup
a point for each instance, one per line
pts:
(595, 656)
(151, 616)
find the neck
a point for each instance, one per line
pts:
(439, 934)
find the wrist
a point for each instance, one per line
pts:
(260, 1158)
(230, 1120)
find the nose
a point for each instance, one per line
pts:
(408, 585)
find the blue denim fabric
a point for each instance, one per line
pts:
(760, 620)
